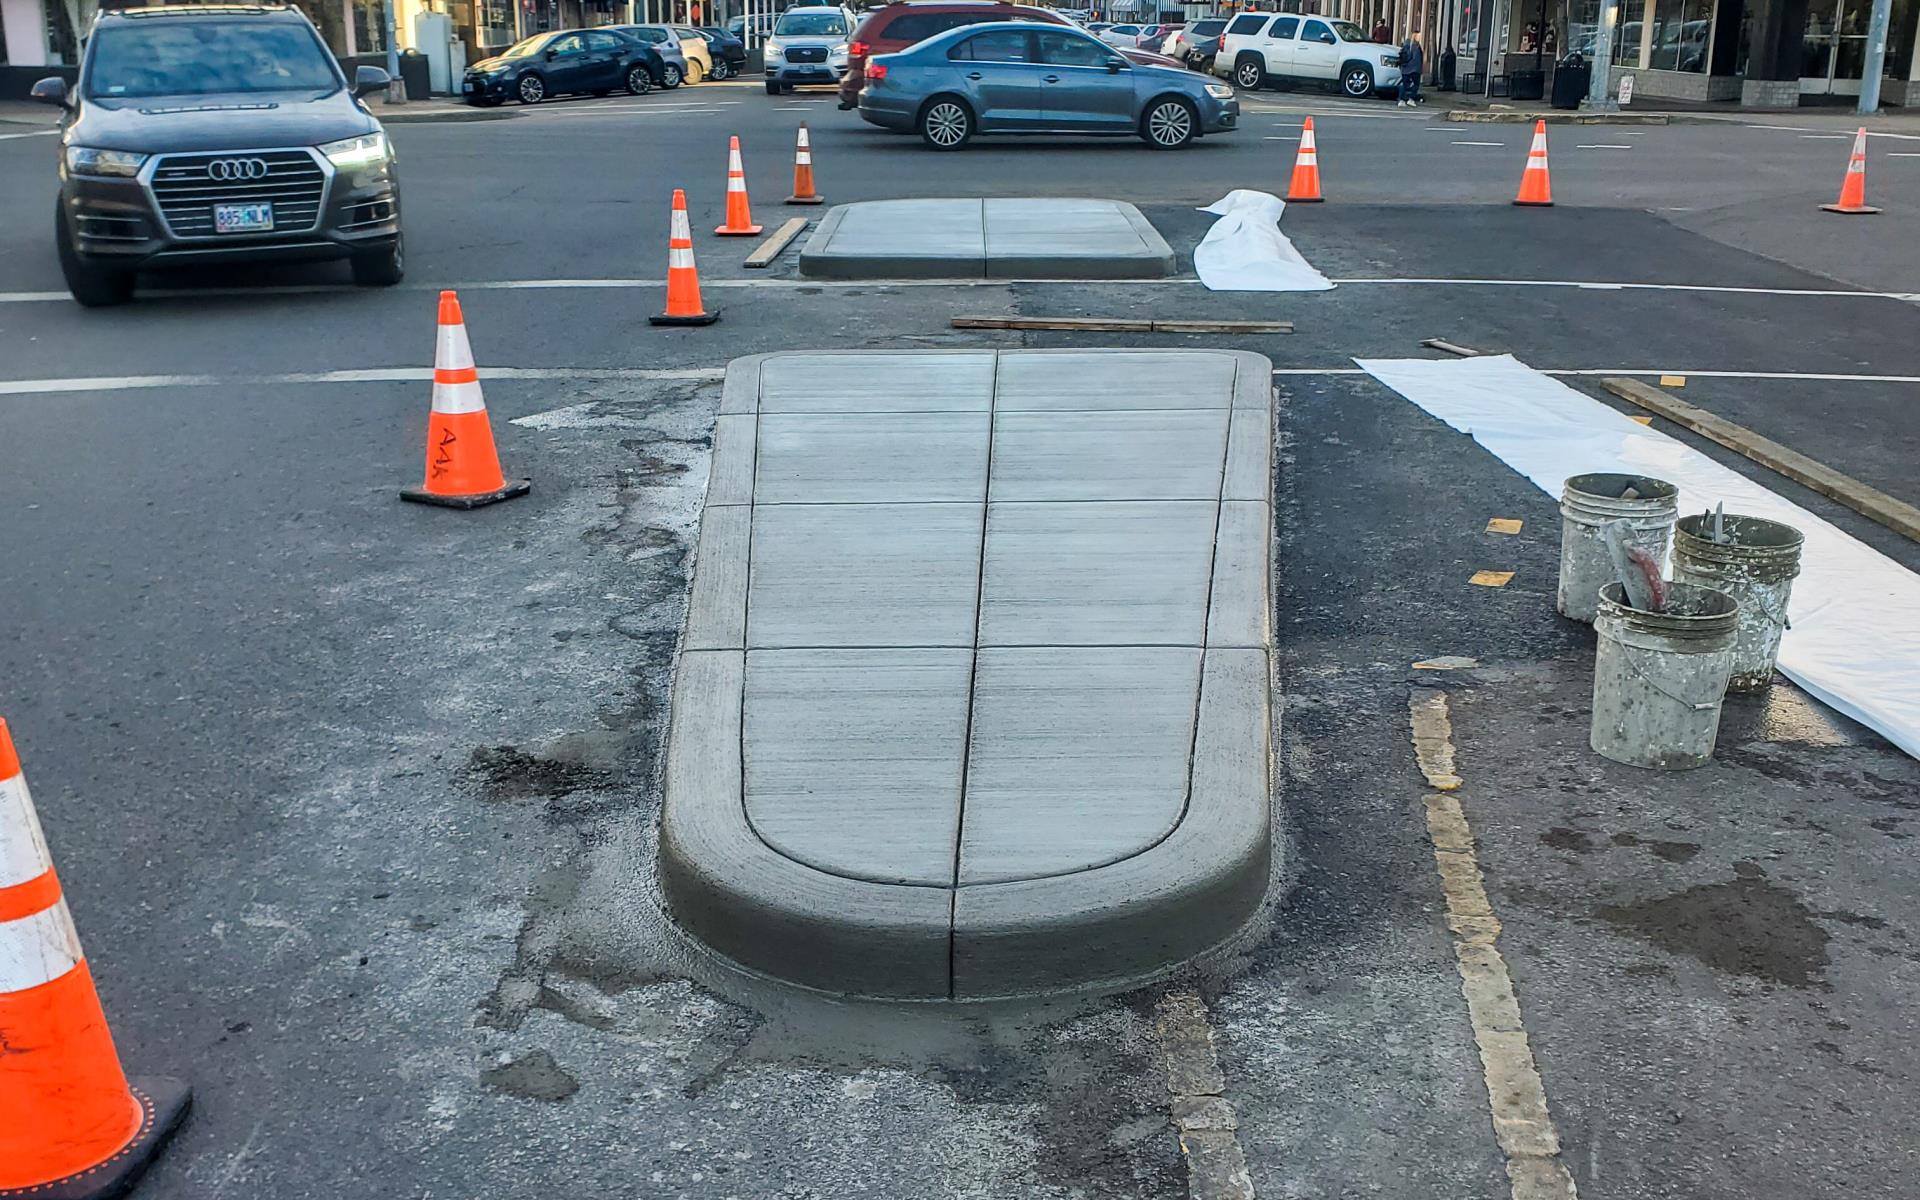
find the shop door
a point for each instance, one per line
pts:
(1834, 54)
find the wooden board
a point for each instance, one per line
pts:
(1121, 325)
(764, 254)
(1869, 502)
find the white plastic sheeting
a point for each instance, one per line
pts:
(1855, 613)
(1246, 252)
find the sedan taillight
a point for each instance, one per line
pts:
(876, 71)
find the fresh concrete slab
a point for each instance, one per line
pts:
(995, 239)
(975, 678)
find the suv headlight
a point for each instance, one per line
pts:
(1219, 91)
(775, 50)
(839, 51)
(82, 160)
(354, 153)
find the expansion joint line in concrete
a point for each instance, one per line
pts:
(1522, 1123)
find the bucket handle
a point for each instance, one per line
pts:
(1626, 652)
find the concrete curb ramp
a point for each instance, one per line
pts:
(986, 239)
(974, 694)
(1554, 116)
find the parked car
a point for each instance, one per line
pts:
(1268, 49)
(893, 27)
(809, 45)
(676, 65)
(563, 62)
(1120, 35)
(1017, 77)
(729, 53)
(199, 135)
(756, 30)
(1153, 37)
(693, 44)
(1196, 44)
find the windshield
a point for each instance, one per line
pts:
(527, 47)
(174, 57)
(1348, 31)
(801, 23)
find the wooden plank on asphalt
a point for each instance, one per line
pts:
(1869, 502)
(1450, 348)
(1121, 325)
(764, 254)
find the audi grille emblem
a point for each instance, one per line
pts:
(230, 169)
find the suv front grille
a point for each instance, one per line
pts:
(807, 54)
(186, 192)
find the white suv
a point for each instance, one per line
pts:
(1282, 48)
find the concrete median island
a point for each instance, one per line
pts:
(973, 698)
(986, 239)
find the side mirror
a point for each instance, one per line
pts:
(52, 90)
(1116, 65)
(552, 54)
(368, 80)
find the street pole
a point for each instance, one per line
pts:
(1876, 56)
(396, 87)
(1600, 90)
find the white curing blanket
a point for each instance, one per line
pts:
(1246, 252)
(1855, 613)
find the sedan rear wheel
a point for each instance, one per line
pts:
(722, 70)
(1168, 124)
(533, 89)
(670, 77)
(639, 82)
(946, 124)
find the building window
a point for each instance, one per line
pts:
(1681, 32)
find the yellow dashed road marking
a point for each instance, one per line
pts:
(1516, 1098)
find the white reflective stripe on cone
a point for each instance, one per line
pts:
(38, 949)
(23, 848)
(451, 348)
(458, 398)
(679, 231)
(680, 258)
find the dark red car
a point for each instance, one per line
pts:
(894, 27)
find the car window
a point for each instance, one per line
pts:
(179, 57)
(602, 42)
(1207, 28)
(1072, 50)
(1248, 23)
(527, 46)
(689, 33)
(1349, 32)
(997, 45)
(1285, 27)
(1130, 30)
(913, 27)
(807, 22)
(1317, 31)
(567, 44)
(652, 36)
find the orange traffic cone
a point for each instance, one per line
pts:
(739, 213)
(803, 192)
(463, 469)
(1305, 186)
(1536, 186)
(683, 278)
(1853, 189)
(71, 1125)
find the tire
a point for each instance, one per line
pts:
(670, 77)
(531, 89)
(1169, 123)
(1249, 73)
(722, 70)
(381, 268)
(92, 287)
(695, 72)
(773, 89)
(1356, 81)
(946, 123)
(639, 80)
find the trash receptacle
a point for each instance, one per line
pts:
(415, 74)
(1526, 85)
(1571, 80)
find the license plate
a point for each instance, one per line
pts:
(242, 218)
(466, 85)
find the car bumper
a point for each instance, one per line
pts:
(888, 112)
(1219, 116)
(486, 87)
(821, 73)
(118, 223)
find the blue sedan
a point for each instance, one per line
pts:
(1018, 77)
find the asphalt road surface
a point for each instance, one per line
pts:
(355, 801)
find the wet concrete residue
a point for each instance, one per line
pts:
(1562, 838)
(1673, 852)
(1748, 926)
(532, 1076)
(510, 773)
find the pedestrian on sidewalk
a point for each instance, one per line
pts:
(1381, 33)
(1413, 60)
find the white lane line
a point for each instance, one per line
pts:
(1281, 137)
(1872, 133)
(1603, 146)
(1501, 144)
(8, 137)
(120, 383)
(1902, 154)
(1825, 137)
(1516, 1096)
(1196, 1093)
(123, 383)
(1603, 286)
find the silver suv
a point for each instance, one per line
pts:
(809, 45)
(218, 134)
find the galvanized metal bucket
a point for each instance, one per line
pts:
(1590, 502)
(1756, 565)
(1658, 678)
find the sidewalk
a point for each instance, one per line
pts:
(1655, 109)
